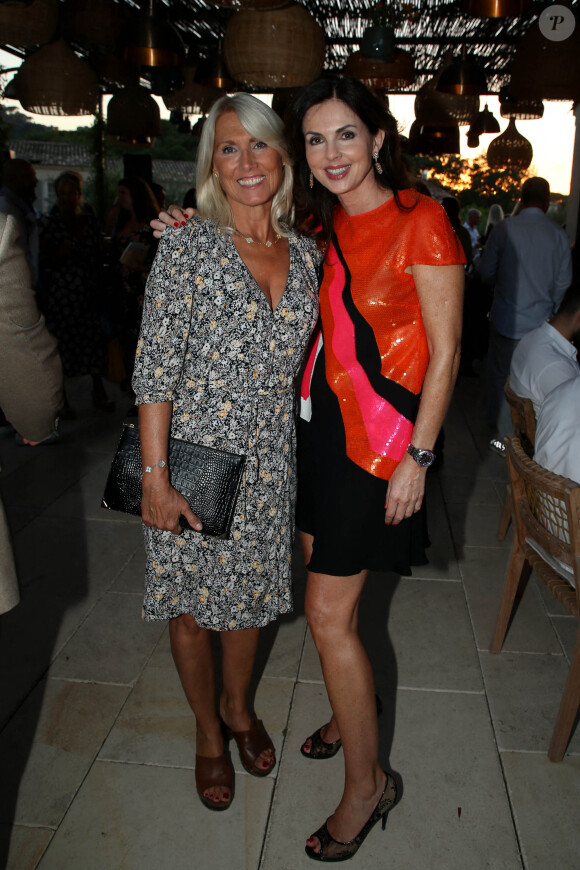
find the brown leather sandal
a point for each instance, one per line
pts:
(251, 744)
(212, 772)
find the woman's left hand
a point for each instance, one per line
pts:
(405, 491)
(173, 217)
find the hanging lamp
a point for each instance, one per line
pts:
(462, 76)
(472, 137)
(192, 98)
(151, 40)
(133, 117)
(55, 81)
(28, 24)
(543, 69)
(434, 107)
(435, 140)
(485, 122)
(212, 72)
(95, 23)
(276, 48)
(510, 149)
(495, 8)
(380, 75)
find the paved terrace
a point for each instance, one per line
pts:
(97, 743)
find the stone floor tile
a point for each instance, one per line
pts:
(428, 628)
(442, 564)
(49, 746)
(156, 725)
(567, 627)
(132, 576)
(461, 488)
(475, 525)
(50, 473)
(140, 817)
(112, 645)
(483, 570)
(524, 693)
(281, 646)
(86, 496)
(545, 800)
(444, 745)
(552, 605)
(24, 845)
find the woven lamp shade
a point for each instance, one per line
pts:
(546, 70)
(511, 106)
(96, 23)
(133, 117)
(510, 149)
(380, 75)
(30, 25)
(436, 140)
(192, 99)
(54, 81)
(273, 49)
(434, 107)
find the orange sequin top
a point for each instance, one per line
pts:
(374, 344)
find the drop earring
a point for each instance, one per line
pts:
(378, 166)
(311, 181)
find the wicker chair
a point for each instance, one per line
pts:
(524, 428)
(546, 509)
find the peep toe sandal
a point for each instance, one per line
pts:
(319, 748)
(332, 850)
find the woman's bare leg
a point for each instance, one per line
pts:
(192, 654)
(238, 657)
(332, 613)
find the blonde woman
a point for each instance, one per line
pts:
(230, 305)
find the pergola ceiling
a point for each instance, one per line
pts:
(431, 29)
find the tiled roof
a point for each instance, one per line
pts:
(73, 155)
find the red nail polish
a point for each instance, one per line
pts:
(175, 224)
(183, 223)
(226, 795)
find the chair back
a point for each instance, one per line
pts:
(547, 513)
(523, 418)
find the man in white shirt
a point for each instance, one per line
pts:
(546, 356)
(558, 431)
(528, 259)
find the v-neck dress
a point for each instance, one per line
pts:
(211, 345)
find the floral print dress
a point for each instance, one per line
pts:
(212, 346)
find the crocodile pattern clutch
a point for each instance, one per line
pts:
(208, 478)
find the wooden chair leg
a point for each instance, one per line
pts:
(506, 516)
(517, 573)
(569, 706)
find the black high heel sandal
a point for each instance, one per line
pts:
(320, 749)
(332, 850)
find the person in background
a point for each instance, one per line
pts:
(528, 260)
(471, 224)
(30, 374)
(190, 200)
(17, 196)
(494, 217)
(548, 356)
(131, 252)
(557, 446)
(70, 268)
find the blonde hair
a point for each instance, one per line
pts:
(261, 123)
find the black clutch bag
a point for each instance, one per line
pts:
(208, 478)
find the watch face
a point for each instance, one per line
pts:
(424, 458)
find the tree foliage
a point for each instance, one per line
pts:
(472, 180)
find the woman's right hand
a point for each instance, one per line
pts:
(173, 217)
(162, 505)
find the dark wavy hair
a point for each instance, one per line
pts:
(145, 206)
(315, 207)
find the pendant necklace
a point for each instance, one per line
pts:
(252, 241)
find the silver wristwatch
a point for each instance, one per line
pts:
(424, 458)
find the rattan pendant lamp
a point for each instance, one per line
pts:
(133, 117)
(55, 81)
(512, 106)
(462, 76)
(495, 8)
(510, 149)
(27, 24)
